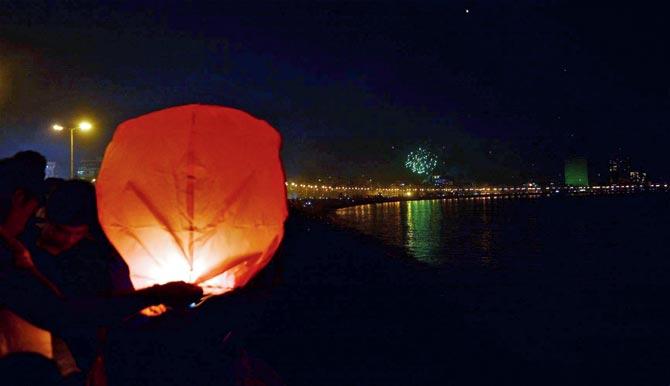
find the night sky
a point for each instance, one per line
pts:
(504, 91)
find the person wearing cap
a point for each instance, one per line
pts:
(71, 250)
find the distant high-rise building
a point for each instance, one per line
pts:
(576, 172)
(88, 169)
(50, 170)
(638, 178)
(619, 170)
(441, 181)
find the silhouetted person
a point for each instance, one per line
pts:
(21, 186)
(29, 295)
(70, 249)
(29, 369)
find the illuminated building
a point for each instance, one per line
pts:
(441, 181)
(576, 172)
(88, 169)
(638, 178)
(50, 170)
(619, 170)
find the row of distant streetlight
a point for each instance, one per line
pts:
(82, 126)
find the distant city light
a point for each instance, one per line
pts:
(349, 193)
(57, 127)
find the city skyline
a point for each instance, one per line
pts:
(576, 172)
(508, 91)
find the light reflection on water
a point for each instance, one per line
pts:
(449, 231)
(423, 220)
(576, 280)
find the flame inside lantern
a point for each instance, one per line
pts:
(193, 193)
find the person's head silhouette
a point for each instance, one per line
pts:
(70, 214)
(21, 189)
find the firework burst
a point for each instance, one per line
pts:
(421, 162)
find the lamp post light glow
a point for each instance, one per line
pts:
(83, 126)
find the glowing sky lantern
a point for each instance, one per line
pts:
(193, 193)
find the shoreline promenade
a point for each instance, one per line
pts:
(321, 199)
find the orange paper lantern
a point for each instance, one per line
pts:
(194, 193)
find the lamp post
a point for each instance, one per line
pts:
(83, 126)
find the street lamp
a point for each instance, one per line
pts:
(83, 126)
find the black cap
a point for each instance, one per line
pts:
(72, 203)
